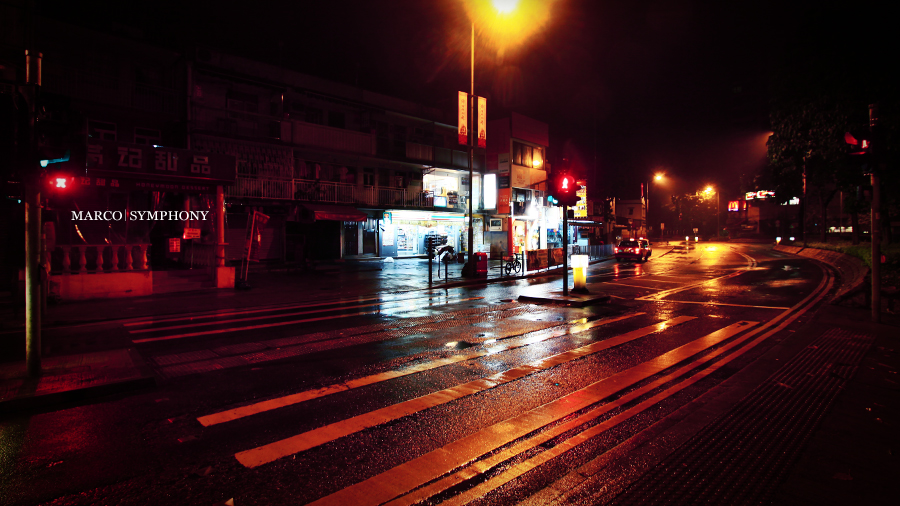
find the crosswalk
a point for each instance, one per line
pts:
(509, 345)
(486, 457)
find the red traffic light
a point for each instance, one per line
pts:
(565, 189)
(61, 182)
(861, 142)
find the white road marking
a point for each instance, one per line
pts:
(383, 487)
(262, 326)
(265, 309)
(281, 315)
(288, 400)
(316, 437)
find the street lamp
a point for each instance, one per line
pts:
(501, 17)
(659, 176)
(708, 190)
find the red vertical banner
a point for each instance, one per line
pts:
(463, 122)
(482, 122)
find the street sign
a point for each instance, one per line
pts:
(174, 245)
(191, 233)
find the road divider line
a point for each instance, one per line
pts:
(719, 304)
(417, 472)
(266, 309)
(262, 326)
(289, 400)
(665, 293)
(283, 315)
(301, 442)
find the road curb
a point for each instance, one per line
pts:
(143, 378)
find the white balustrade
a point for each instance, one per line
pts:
(118, 254)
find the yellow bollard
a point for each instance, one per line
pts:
(579, 272)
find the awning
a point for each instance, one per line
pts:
(333, 212)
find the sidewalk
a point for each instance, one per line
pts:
(71, 378)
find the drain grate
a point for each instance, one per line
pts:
(743, 456)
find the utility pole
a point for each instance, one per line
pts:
(876, 217)
(565, 210)
(32, 207)
(469, 266)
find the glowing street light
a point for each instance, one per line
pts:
(508, 26)
(708, 191)
(658, 177)
(505, 6)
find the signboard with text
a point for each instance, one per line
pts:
(111, 159)
(463, 121)
(482, 122)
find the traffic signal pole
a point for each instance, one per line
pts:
(565, 210)
(876, 220)
(32, 225)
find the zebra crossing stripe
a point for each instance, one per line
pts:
(301, 442)
(289, 400)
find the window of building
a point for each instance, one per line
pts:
(336, 119)
(313, 115)
(369, 177)
(240, 101)
(523, 154)
(147, 136)
(630, 211)
(101, 130)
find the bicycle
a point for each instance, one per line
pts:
(513, 264)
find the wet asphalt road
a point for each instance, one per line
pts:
(457, 395)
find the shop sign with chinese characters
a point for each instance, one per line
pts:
(117, 160)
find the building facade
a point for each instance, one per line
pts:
(519, 218)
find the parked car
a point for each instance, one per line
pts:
(645, 243)
(633, 249)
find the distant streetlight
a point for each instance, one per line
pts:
(709, 190)
(659, 176)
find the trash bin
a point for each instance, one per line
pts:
(481, 264)
(460, 258)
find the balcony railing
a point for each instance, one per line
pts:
(306, 190)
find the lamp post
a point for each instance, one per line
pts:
(710, 189)
(506, 18)
(470, 261)
(656, 177)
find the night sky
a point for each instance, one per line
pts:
(629, 87)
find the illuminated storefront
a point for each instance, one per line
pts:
(403, 233)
